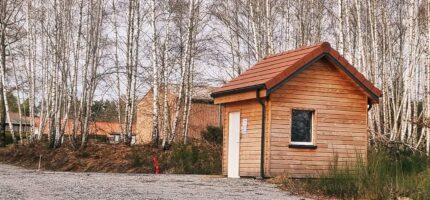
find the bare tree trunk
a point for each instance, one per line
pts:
(6, 105)
(8, 9)
(155, 73)
(268, 22)
(18, 96)
(117, 67)
(255, 30)
(2, 66)
(74, 92)
(341, 38)
(136, 64)
(427, 83)
(166, 72)
(93, 59)
(187, 108)
(133, 34)
(186, 59)
(31, 65)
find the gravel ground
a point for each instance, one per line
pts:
(19, 183)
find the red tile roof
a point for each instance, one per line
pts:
(274, 69)
(95, 128)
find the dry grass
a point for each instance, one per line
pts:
(95, 158)
(112, 158)
(386, 175)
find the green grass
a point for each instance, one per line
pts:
(385, 175)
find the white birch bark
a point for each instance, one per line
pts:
(340, 29)
(155, 75)
(428, 79)
(166, 92)
(6, 104)
(185, 60)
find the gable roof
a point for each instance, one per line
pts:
(274, 70)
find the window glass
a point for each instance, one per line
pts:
(301, 129)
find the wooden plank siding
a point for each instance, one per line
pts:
(239, 97)
(339, 127)
(202, 114)
(249, 148)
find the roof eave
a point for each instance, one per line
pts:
(369, 91)
(238, 90)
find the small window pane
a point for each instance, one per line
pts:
(301, 129)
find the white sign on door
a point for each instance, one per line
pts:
(244, 126)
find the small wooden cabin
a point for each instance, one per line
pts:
(295, 113)
(203, 113)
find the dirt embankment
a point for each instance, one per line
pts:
(95, 158)
(192, 158)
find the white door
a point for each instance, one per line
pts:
(233, 144)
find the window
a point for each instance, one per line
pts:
(116, 138)
(301, 127)
(133, 139)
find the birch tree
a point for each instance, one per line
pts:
(132, 56)
(185, 68)
(155, 76)
(10, 32)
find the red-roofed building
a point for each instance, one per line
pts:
(294, 113)
(112, 130)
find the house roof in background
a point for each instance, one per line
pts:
(95, 128)
(274, 70)
(103, 128)
(202, 92)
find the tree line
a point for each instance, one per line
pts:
(63, 55)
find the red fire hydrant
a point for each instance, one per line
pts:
(157, 170)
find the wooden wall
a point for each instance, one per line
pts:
(249, 148)
(202, 114)
(340, 125)
(144, 120)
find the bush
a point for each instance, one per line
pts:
(194, 158)
(99, 138)
(83, 154)
(141, 159)
(386, 175)
(213, 134)
(9, 139)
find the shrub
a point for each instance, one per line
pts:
(83, 154)
(424, 188)
(213, 134)
(99, 138)
(9, 139)
(141, 159)
(194, 158)
(386, 175)
(339, 181)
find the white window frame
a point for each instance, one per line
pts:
(312, 126)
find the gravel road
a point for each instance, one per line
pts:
(19, 183)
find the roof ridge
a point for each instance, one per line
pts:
(298, 49)
(296, 59)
